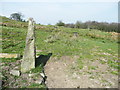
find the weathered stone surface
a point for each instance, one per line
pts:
(7, 55)
(15, 72)
(28, 61)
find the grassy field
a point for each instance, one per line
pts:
(87, 44)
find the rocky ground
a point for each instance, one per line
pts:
(13, 78)
(63, 73)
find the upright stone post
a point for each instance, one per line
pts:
(28, 61)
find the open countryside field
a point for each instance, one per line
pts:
(78, 58)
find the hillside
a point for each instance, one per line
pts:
(89, 58)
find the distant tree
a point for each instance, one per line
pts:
(16, 16)
(88, 23)
(49, 24)
(84, 26)
(23, 20)
(70, 25)
(102, 26)
(60, 23)
(78, 24)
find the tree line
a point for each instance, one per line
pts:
(17, 16)
(102, 26)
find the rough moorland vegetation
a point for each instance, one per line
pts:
(89, 45)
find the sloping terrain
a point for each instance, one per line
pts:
(78, 58)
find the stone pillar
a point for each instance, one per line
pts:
(28, 61)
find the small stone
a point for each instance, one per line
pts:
(107, 87)
(16, 67)
(30, 75)
(33, 74)
(15, 72)
(43, 75)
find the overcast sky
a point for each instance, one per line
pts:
(69, 11)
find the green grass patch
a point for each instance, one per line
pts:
(37, 69)
(115, 72)
(92, 67)
(13, 40)
(80, 63)
(113, 64)
(88, 44)
(9, 59)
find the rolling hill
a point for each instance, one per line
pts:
(88, 57)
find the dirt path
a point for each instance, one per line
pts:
(62, 73)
